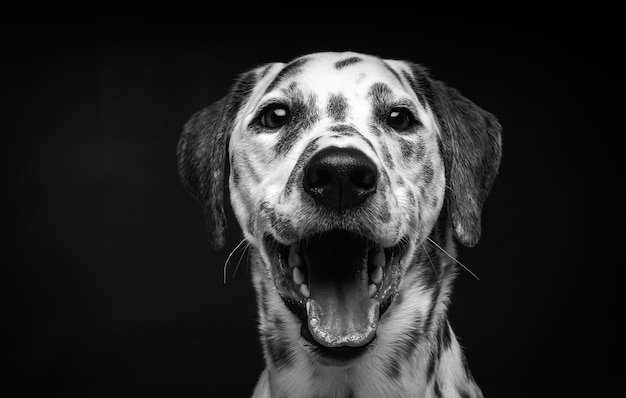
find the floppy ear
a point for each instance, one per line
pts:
(471, 148)
(203, 153)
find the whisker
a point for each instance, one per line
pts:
(429, 259)
(230, 255)
(455, 260)
(240, 258)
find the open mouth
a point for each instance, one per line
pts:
(339, 284)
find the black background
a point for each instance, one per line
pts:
(111, 287)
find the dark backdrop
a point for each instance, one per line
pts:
(112, 288)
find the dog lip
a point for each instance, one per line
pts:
(334, 356)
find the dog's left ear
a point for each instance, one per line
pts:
(471, 145)
(203, 153)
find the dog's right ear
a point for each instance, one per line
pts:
(471, 148)
(203, 153)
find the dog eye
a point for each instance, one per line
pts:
(275, 116)
(400, 119)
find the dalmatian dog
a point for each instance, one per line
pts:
(351, 177)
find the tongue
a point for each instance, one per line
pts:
(336, 328)
(339, 310)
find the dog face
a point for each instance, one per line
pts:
(340, 165)
(320, 109)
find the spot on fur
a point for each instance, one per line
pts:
(375, 130)
(337, 107)
(446, 339)
(420, 150)
(346, 62)
(304, 113)
(385, 215)
(405, 348)
(393, 368)
(428, 173)
(437, 389)
(279, 353)
(407, 148)
(387, 158)
(433, 361)
(463, 393)
(379, 93)
(343, 128)
(412, 200)
(235, 173)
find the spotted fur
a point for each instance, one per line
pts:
(433, 180)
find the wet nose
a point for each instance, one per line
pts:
(340, 178)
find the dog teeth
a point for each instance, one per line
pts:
(377, 275)
(376, 263)
(298, 276)
(378, 260)
(295, 260)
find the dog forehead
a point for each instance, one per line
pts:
(346, 72)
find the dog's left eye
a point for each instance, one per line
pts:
(400, 119)
(275, 116)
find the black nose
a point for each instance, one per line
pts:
(340, 178)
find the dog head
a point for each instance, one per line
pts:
(340, 164)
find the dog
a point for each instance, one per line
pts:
(351, 177)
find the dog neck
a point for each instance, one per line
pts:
(416, 352)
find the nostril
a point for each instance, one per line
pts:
(318, 176)
(364, 177)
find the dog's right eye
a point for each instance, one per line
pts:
(275, 116)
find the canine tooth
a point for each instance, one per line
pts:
(377, 275)
(379, 258)
(294, 258)
(298, 276)
(371, 290)
(304, 289)
(314, 321)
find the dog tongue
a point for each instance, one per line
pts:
(339, 309)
